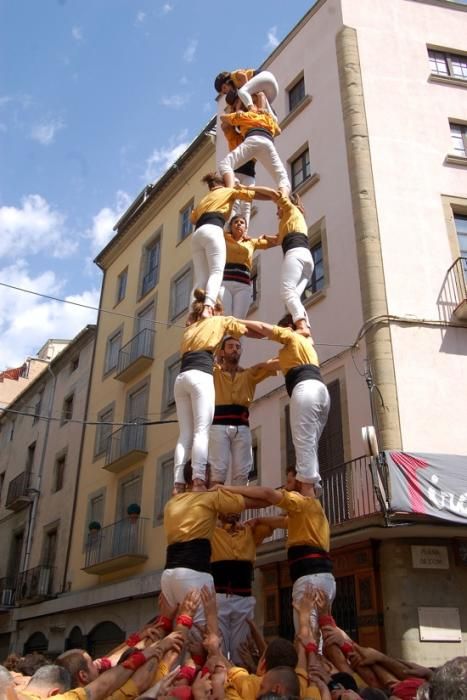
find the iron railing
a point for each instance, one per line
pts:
(35, 584)
(124, 538)
(125, 440)
(18, 488)
(141, 345)
(456, 282)
(7, 592)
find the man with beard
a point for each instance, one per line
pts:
(230, 436)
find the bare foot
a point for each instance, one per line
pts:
(207, 312)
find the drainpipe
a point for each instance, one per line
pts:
(33, 509)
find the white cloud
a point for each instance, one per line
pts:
(33, 228)
(162, 158)
(272, 40)
(77, 33)
(189, 53)
(27, 321)
(45, 132)
(140, 17)
(166, 8)
(103, 222)
(175, 101)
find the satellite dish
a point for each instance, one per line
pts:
(370, 441)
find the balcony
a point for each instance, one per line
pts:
(135, 356)
(125, 447)
(348, 491)
(456, 288)
(7, 593)
(116, 546)
(34, 585)
(19, 492)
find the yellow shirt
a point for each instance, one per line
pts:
(312, 692)
(238, 76)
(193, 515)
(307, 522)
(127, 690)
(75, 694)
(292, 219)
(228, 544)
(208, 333)
(247, 684)
(239, 389)
(252, 120)
(297, 349)
(221, 201)
(242, 251)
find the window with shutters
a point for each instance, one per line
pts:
(103, 431)
(180, 290)
(129, 491)
(114, 344)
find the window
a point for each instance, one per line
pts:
(50, 548)
(59, 473)
(67, 413)
(129, 491)
(95, 510)
(151, 265)
(2, 481)
(317, 278)
(165, 482)
(104, 431)
(296, 93)
(121, 286)
(459, 139)
(30, 457)
(37, 409)
(460, 222)
(172, 368)
(449, 65)
(180, 291)
(114, 343)
(300, 169)
(185, 225)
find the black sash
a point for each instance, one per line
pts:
(259, 131)
(232, 576)
(298, 374)
(199, 359)
(211, 217)
(295, 240)
(237, 272)
(194, 554)
(305, 560)
(231, 414)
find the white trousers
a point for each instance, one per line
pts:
(263, 82)
(176, 583)
(296, 271)
(241, 207)
(309, 409)
(264, 150)
(326, 582)
(194, 398)
(230, 444)
(208, 250)
(232, 613)
(236, 298)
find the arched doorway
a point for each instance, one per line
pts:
(104, 637)
(76, 639)
(36, 642)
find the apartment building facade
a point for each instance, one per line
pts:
(372, 107)
(40, 442)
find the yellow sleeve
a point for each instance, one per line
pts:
(128, 690)
(162, 671)
(258, 374)
(303, 680)
(233, 327)
(244, 683)
(312, 692)
(227, 502)
(261, 243)
(244, 193)
(290, 501)
(75, 694)
(282, 335)
(261, 531)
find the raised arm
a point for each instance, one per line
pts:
(265, 330)
(256, 493)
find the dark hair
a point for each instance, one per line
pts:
(231, 97)
(220, 79)
(198, 305)
(287, 322)
(372, 694)
(234, 218)
(286, 676)
(344, 679)
(212, 180)
(280, 652)
(51, 676)
(30, 663)
(225, 339)
(74, 661)
(296, 201)
(11, 662)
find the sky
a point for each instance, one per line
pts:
(97, 99)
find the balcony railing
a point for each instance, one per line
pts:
(455, 289)
(348, 491)
(136, 355)
(19, 494)
(116, 546)
(7, 592)
(35, 584)
(125, 447)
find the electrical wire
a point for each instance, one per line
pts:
(38, 416)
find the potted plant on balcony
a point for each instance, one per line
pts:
(133, 512)
(94, 527)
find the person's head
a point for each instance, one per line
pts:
(281, 680)
(30, 663)
(213, 180)
(229, 518)
(449, 682)
(79, 665)
(11, 662)
(198, 305)
(223, 83)
(340, 682)
(296, 201)
(238, 227)
(372, 694)
(188, 474)
(50, 680)
(280, 652)
(287, 322)
(230, 351)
